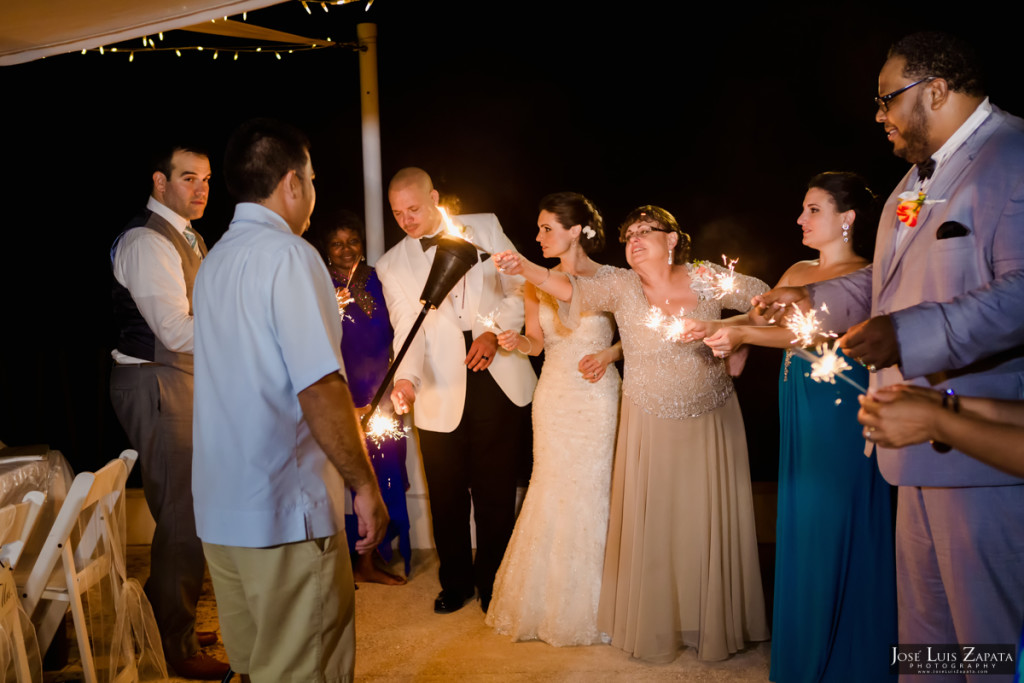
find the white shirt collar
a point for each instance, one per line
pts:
(167, 214)
(257, 213)
(963, 132)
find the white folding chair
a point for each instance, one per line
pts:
(16, 524)
(85, 546)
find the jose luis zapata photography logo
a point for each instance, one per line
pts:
(957, 659)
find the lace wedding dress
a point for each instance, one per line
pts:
(550, 579)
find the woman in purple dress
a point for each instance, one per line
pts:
(366, 350)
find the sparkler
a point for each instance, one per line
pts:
(489, 321)
(384, 427)
(828, 365)
(672, 327)
(727, 281)
(806, 326)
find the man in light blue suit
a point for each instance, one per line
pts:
(942, 305)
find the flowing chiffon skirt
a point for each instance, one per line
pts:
(681, 564)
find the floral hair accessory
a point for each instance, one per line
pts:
(589, 232)
(910, 206)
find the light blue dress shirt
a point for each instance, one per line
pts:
(266, 327)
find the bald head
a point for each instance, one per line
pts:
(414, 202)
(411, 177)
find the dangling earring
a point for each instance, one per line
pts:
(670, 257)
(846, 232)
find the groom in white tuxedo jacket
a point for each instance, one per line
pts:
(470, 395)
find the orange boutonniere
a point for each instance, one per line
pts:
(909, 206)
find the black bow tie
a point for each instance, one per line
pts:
(432, 241)
(925, 169)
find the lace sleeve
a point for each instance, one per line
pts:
(746, 288)
(602, 292)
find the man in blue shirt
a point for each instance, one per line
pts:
(275, 427)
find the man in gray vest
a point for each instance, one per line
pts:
(155, 262)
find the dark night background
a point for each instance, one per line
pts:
(720, 117)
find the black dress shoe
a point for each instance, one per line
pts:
(451, 601)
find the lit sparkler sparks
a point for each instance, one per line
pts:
(727, 281)
(489, 321)
(806, 326)
(381, 428)
(672, 327)
(828, 365)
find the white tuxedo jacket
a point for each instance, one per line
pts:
(954, 289)
(436, 360)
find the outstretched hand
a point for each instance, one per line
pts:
(773, 303)
(509, 262)
(725, 341)
(873, 343)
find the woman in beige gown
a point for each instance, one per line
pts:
(681, 564)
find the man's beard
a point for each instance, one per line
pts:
(915, 136)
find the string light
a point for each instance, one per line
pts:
(150, 46)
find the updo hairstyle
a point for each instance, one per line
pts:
(663, 219)
(849, 192)
(572, 209)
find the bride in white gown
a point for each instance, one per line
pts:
(548, 585)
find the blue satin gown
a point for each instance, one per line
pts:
(835, 591)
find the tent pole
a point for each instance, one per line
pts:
(373, 193)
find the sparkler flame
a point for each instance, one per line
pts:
(381, 428)
(727, 281)
(829, 364)
(489, 321)
(672, 327)
(806, 326)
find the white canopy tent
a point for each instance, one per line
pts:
(30, 31)
(33, 30)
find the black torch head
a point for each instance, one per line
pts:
(453, 259)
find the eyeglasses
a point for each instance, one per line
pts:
(884, 100)
(641, 233)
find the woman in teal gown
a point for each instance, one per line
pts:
(834, 615)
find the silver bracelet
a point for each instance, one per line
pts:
(528, 341)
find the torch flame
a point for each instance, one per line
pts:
(449, 225)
